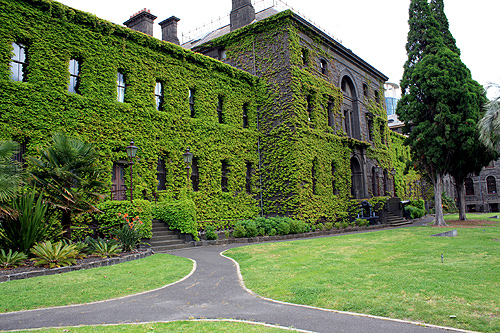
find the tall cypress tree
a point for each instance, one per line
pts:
(470, 155)
(437, 96)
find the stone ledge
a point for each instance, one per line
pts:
(88, 265)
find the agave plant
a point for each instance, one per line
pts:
(103, 248)
(54, 255)
(11, 259)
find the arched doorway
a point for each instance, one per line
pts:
(356, 179)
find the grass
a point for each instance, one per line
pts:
(480, 219)
(93, 284)
(177, 326)
(393, 273)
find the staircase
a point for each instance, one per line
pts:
(396, 221)
(165, 239)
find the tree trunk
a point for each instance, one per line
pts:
(66, 224)
(439, 221)
(461, 200)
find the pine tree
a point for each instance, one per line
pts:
(437, 10)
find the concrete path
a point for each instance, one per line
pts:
(213, 290)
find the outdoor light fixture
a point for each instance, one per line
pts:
(188, 159)
(131, 153)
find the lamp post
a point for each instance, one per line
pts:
(131, 153)
(188, 159)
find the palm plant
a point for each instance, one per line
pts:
(11, 259)
(67, 173)
(54, 254)
(489, 125)
(10, 174)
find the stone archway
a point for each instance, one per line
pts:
(350, 108)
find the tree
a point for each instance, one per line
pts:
(66, 172)
(11, 174)
(437, 98)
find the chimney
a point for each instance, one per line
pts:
(141, 21)
(169, 30)
(242, 14)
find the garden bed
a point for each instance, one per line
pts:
(30, 270)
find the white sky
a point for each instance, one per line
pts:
(375, 30)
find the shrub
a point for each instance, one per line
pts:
(344, 224)
(239, 231)
(210, 233)
(128, 236)
(28, 226)
(103, 248)
(54, 254)
(414, 212)
(337, 225)
(113, 212)
(328, 225)
(273, 232)
(283, 228)
(179, 215)
(362, 222)
(296, 226)
(251, 229)
(11, 259)
(420, 203)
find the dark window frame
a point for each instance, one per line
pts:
(248, 177)
(245, 115)
(191, 99)
(195, 175)
(74, 76)
(329, 109)
(491, 185)
(220, 110)
(224, 176)
(469, 186)
(161, 174)
(323, 65)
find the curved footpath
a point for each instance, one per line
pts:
(213, 290)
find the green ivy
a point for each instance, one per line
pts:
(113, 211)
(179, 215)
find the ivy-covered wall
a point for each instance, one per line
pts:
(31, 111)
(300, 154)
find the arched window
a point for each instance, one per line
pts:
(469, 186)
(350, 108)
(491, 184)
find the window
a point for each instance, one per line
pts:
(120, 87)
(370, 129)
(195, 177)
(159, 96)
(334, 183)
(347, 124)
(374, 183)
(309, 107)
(382, 134)
(329, 109)
(222, 55)
(220, 115)
(161, 174)
(191, 102)
(245, 115)
(305, 56)
(377, 97)
(19, 155)
(491, 184)
(224, 173)
(248, 179)
(365, 90)
(18, 63)
(469, 186)
(313, 176)
(74, 76)
(323, 66)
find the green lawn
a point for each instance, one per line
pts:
(177, 326)
(393, 273)
(93, 284)
(475, 216)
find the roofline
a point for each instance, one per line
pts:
(340, 48)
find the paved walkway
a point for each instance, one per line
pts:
(213, 290)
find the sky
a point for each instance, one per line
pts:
(375, 30)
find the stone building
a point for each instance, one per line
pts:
(284, 120)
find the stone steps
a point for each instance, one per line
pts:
(396, 221)
(164, 239)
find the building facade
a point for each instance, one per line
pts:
(284, 121)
